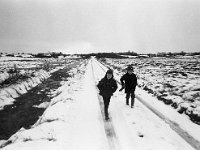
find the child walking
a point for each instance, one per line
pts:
(129, 81)
(107, 86)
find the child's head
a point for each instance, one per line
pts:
(109, 74)
(130, 69)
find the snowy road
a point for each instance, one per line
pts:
(108, 125)
(187, 130)
(139, 128)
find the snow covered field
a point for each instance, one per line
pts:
(18, 75)
(10, 66)
(74, 121)
(176, 81)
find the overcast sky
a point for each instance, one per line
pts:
(83, 26)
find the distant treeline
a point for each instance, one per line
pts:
(134, 54)
(38, 55)
(107, 55)
(102, 55)
(49, 55)
(170, 54)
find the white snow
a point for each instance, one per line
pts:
(8, 94)
(3, 76)
(73, 121)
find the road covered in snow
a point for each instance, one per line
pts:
(74, 121)
(150, 131)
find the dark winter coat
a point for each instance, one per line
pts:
(129, 81)
(107, 86)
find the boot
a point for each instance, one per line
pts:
(132, 102)
(106, 116)
(127, 101)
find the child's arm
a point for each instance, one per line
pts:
(122, 80)
(100, 85)
(115, 86)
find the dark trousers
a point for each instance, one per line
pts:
(132, 95)
(106, 100)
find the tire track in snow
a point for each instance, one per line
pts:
(173, 125)
(108, 126)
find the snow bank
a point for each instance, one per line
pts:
(42, 132)
(3, 76)
(8, 94)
